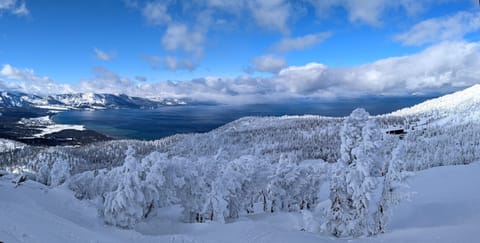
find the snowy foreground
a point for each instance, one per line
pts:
(444, 209)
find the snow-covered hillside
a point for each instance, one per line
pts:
(460, 106)
(445, 208)
(259, 179)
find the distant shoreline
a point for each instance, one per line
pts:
(35, 133)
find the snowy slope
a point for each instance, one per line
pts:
(463, 105)
(446, 208)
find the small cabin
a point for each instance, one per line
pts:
(397, 132)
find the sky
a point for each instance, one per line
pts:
(240, 51)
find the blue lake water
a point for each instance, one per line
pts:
(170, 120)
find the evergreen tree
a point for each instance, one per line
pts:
(351, 183)
(126, 205)
(393, 191)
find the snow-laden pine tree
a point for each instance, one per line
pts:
(126, 205)
(282, 183)
(164, 178)
(294, 185)
(235, 187)
(351, 182)
(60, 172)
(192, 186)
(394, 188)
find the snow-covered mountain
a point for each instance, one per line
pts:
(82, 101)
(14, 99)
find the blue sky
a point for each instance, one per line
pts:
(255, 49)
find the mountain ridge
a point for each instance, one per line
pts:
(93, 101)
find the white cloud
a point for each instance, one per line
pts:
(7, 4)
(186, 30)
(152, 60)
(102, 55)
(271, 14)
(106, 81)
(303, 79)
(170, 63)
(441, 67)
(21, 10)
(173, 63)
(268, 63)
(180, 37)
(448, 64)
(26, 80)
(371, 12)
(156, 13)
(302, 42)
(186, 25)
(14, 7)
(26, 74)
(277, 14)
(433, 30)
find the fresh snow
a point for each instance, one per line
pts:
(444, 209)
(461, 106)
(53, 108)
(37, 121)
(58, 128)
(47, 126)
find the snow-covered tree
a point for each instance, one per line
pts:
(60, 172)
(126, 205)
(394, 188)
(192, 187)
(351, 183)
(236, 185)
(294, 184)
(282, 183)
(164, 180)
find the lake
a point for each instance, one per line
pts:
(170, 120)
